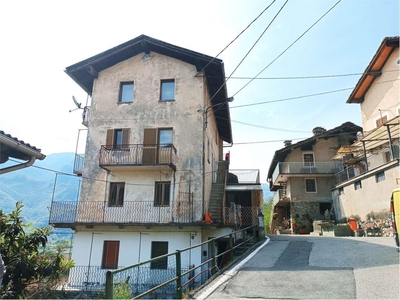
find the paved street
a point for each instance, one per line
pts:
(312, 267)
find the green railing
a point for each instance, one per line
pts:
(165, 277)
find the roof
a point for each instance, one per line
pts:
(374, 69)
(12, 147)
(281, 154)
(84, 72)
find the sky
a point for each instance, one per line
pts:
(41, 38)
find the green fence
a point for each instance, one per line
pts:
(165, 277)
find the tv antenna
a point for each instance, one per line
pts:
(78, 105)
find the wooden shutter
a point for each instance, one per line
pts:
(109, 139)
(149, 146)
(110, 255)
(125, 139)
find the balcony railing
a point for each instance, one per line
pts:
(306, 168)
(130, 213)
(374, 161)
(78, 163)
(244, 177)
(138, 155)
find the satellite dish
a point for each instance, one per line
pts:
(78, 105)
(76, 102)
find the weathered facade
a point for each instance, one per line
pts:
(154, 177)
(372, 162)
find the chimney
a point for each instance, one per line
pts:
(287, 143)
(318, 130)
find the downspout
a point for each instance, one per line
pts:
(19, 166)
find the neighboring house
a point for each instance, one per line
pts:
(302, 175)
(12, 147)
(153, 175)
(372, 162)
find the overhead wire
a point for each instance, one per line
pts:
(288, 47)
(235, 38)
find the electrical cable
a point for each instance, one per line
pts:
(235, 38)
(288, 47)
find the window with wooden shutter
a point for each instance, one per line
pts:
(149, 146)
(117, 190)
(381, 121)
(110, 255)
(162, 193)
(117, 139)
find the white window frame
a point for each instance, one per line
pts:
(305, 185)
(308, 164)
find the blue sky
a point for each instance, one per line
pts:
(41, 38)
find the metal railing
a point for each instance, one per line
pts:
(373, 161)
(172, 281)
(240, 216)
(131, 212)
(137, 154)
(306, 168)
(243, 176)
(78, 163)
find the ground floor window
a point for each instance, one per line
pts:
(158, 249)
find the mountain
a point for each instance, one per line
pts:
(37, 185)
(47, 180)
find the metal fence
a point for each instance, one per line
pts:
(131, 212)
(165, 277)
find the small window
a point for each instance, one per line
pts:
(357, 185)
(158, 249)
(167, 90)
(110, 255)
(381, 121)
(341, 191)
(117, 190)
(308, 159)
(380, 176)
(162, 193)
(126, 92)
(311, 185)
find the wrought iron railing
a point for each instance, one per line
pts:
(131, 212)
(138, 154)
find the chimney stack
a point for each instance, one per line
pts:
(287, 143)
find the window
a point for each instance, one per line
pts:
(126, 92)
(116, 197)
(158, 249)
(110, 255)
(380, 176)
(167, 90)
(311, 185)
(157, 145)
(381, 121)
(162, 192)
(165, 138)
(341, 191)
(308, 159)
(117, 139)
(357, 185)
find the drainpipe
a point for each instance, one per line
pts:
(19, 166)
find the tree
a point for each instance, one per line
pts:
(268, 207)
(28, 267)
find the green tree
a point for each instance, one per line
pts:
(29, 268)
(268, 207)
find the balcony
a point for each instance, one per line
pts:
(243, 176)
(71, 213)
(138, 156)
(284, 170)
(78, 164)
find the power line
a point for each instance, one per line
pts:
(270, 128)
(235, 38)
(288, 47)
(248, 52)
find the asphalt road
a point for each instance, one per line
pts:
(312, 267)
